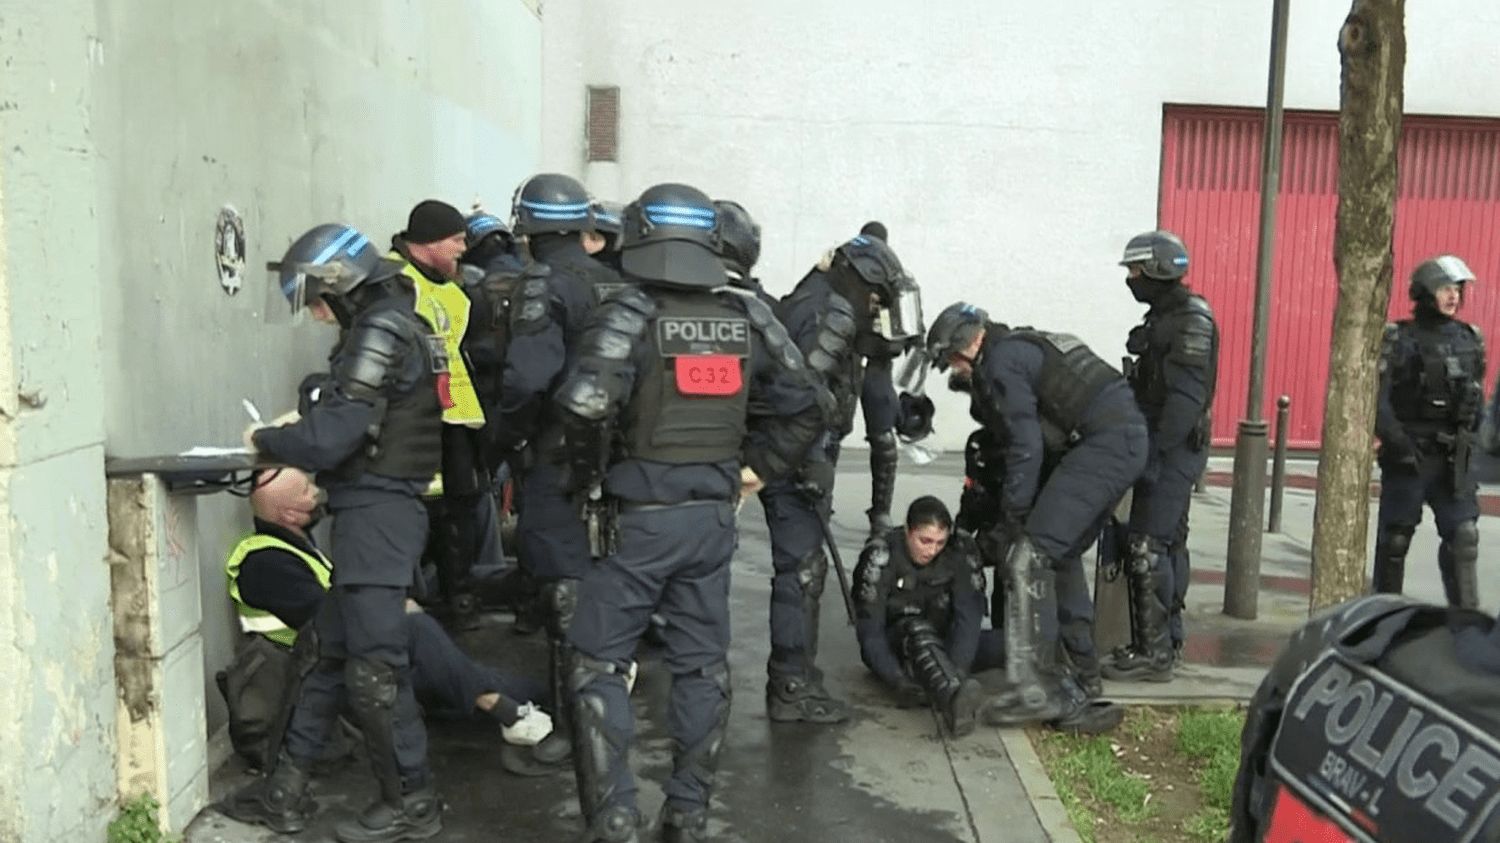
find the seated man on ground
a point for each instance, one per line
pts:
(278, 577)
(919, 595)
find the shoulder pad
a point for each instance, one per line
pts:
(872, 564)
(1333, 626)
(1474, 331)
(832, 342)
(778, 343)
(372, 354)
(618, 325)
(532, 309)
(1193, 341)
(634, 298)
(1198, 305)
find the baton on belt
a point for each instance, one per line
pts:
(838, 565)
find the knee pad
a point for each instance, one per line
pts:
(812, 570)
(562, 602)
(372, 685)
(1398, 539)
(917, 633)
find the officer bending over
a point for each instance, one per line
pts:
(374, 437)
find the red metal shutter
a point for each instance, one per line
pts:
(1449, 196)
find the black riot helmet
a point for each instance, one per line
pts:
(898, 312)
(329, 262)
(1436, 273)
(739, 237)
(609, 220)
(481, 225)
(672, 238)
(1161, 254)
(551, 203)
(952, 331)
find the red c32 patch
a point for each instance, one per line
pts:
(708, 374)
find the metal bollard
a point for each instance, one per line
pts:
(1278, 464)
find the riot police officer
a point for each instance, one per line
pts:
(739, 247)
(919, 597)
(655, 410)
(979, 514)
(1377, 723)
(1039, 391)
(608, 220)
(374, 436)
(489, 247)
(1173, 374)
(1431, 393)
(555, 215)
(858, 295)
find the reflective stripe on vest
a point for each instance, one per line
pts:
(446, 308)
(259, 620)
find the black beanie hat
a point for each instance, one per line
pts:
(431, 221)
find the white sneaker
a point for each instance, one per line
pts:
(530, 727)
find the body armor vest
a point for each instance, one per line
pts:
(1386, 736)
(1434, 372)
(691, 398)
(408, 443)
(1071, 377)
(1152, 343)
(924, 591)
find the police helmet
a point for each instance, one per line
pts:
(873, 261)
(671, 237)
(1436, 273)
(327, 261)
(1161, 254)
(482, 224)
(739, 237)
(609, 219)
(551, 203)
(952, 331)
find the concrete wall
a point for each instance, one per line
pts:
(1012, 148)
(124, 127)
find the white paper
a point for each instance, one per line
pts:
(216, 451)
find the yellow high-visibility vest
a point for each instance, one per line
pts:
(446, 308)
(259, 620)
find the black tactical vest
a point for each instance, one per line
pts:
(692, 396)
(1071, 377)
(925, 591)
(408, 442)
(1434, 374)
(1386, 736)
(1152, 341)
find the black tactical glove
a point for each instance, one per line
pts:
(815, 479)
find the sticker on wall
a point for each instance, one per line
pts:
(229, 249)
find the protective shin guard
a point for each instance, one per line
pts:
(601, 755)
(883, 459)
(1150, 658)
(372, 691)
(1461, 571)
(935, 671)
(1390, 559)
(1031, 663)
(700, 761)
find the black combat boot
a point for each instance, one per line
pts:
(279, 801)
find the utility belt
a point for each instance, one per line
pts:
(601, 518)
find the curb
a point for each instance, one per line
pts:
(1038, 786)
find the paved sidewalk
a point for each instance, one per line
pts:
(886, 775)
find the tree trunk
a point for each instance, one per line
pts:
(1372, 48)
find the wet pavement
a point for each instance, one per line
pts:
(886, 775)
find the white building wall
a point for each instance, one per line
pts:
(1011, 148)
(124, 127)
